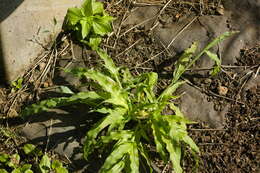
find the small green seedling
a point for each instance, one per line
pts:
(132, 114)
(16, 165)
(89, 22)
(16, 85)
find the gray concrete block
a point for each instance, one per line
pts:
(23, 23)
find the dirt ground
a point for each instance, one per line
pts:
(233, 148)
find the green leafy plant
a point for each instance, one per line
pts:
(13, 162)
(132, 114)
(16, 85)
(90, 22)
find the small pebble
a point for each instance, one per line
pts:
(208, 81)
(222, 90)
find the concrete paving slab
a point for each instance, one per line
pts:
(23, 25)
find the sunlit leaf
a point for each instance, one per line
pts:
(94, 42)
(4, 158)
(134, 158)
(87, 7)
(102, 25)
(116, 156)
(174, 150)
(167, 93)
(110, 119)
(61, 170)
(74, 15)
(45, 164)
(66, 90)
(29, 148)
(182, 63)
(98, 8)
(85, 28)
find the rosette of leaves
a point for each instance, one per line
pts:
(90, 22)
(132, 114)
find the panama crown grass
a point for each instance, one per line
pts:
(131, 112)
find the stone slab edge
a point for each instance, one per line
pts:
(30, 21)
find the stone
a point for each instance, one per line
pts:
(196, 107)
(26, 26)
(60, 130)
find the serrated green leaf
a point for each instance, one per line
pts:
(174, 150)
(118, 167)
(123, 135)
(134, 158)
(191, 143)
(158, 140)
(182, 64)
(167, 93)
(214, 57)
(216, 69)
(110, 86)
(19, 83)
(73, 16)
(116, 156)
(217, 61)
(85, 28)
(81, 97)
(108, 63)
(112, 118)
(45, 164)
(29, 148)
(211, 44)
(127, 77)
